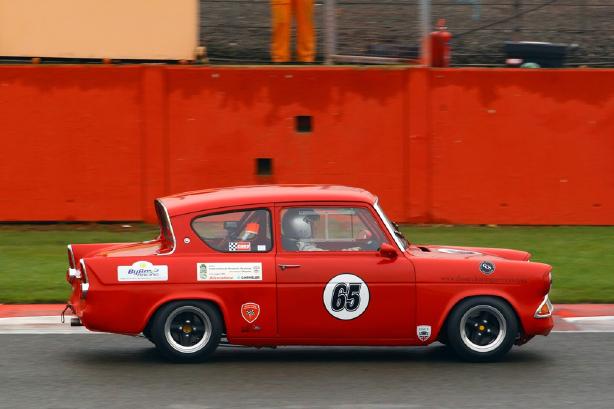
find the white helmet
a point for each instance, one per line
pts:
(298, 226)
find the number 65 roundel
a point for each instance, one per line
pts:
(346, 296)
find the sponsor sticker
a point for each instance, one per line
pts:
(346, 296)
(142, 271)
(250, 311)
(487, 267)
(261, 247)
(229, 271)
(424, 332)
(239, 246)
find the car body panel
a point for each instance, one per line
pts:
(419, 286)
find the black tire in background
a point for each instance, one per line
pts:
(187, 331)
(482, 329)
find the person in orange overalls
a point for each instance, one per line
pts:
(282, 11)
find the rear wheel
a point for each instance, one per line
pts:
(482, 329)
(187, 331)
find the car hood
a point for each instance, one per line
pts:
(472, 252)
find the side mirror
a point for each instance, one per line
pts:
(388, 251)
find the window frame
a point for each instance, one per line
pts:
(280, 207)
(269, 210)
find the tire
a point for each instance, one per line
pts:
(482, 329)
(187, 331)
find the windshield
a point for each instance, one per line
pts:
(392, 226)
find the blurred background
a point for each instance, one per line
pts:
(491, 128)
(236, 31)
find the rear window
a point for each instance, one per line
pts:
(243, 231)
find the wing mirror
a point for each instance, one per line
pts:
(388, 251)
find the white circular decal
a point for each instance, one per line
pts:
(346, 296)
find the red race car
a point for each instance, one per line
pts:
(303, 265)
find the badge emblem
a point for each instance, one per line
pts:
(250, 312)
(487, 267)
(424, 332)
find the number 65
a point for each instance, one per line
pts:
(346, 296)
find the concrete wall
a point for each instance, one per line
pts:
(453, 146)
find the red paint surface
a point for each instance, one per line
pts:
(445, 145)
(560, 310)
(413, 287)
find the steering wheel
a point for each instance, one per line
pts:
(367, 240)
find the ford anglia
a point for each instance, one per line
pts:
(303, 265)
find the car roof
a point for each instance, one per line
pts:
(199, 200)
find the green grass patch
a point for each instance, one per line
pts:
(582, 257)
(33, 258)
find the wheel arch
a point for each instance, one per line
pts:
(209, 298)
(442, 325)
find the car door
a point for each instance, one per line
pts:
(235, 262)
(335, 286)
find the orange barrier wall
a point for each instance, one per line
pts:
(453, 146)
(523, 146)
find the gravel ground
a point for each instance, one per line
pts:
(239, 30)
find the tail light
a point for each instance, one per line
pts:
(545, 309)
(73, 272)
(85, 285)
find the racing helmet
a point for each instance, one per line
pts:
(296, 223)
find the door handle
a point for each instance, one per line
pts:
(285, 266)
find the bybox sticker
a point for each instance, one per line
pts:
(142, 271)
(229, 271)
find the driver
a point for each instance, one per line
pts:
(297, 227)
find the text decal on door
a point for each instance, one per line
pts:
(346, 296)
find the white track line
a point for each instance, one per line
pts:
(39, 325)
(592, 324)
(609, 318)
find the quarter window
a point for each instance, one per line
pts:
(244, 231)
(330, 229)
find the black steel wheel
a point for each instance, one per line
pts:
(482, 329)
(187, 330)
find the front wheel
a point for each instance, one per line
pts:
(187, 331)
(482, 329)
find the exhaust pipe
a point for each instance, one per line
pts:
(75, 322)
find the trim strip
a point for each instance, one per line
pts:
(85, 285)
(170, 225)
(72, 256)
(381, 215)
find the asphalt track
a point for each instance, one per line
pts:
(96, 371)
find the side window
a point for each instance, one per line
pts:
(330, 229)
(241, 231)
